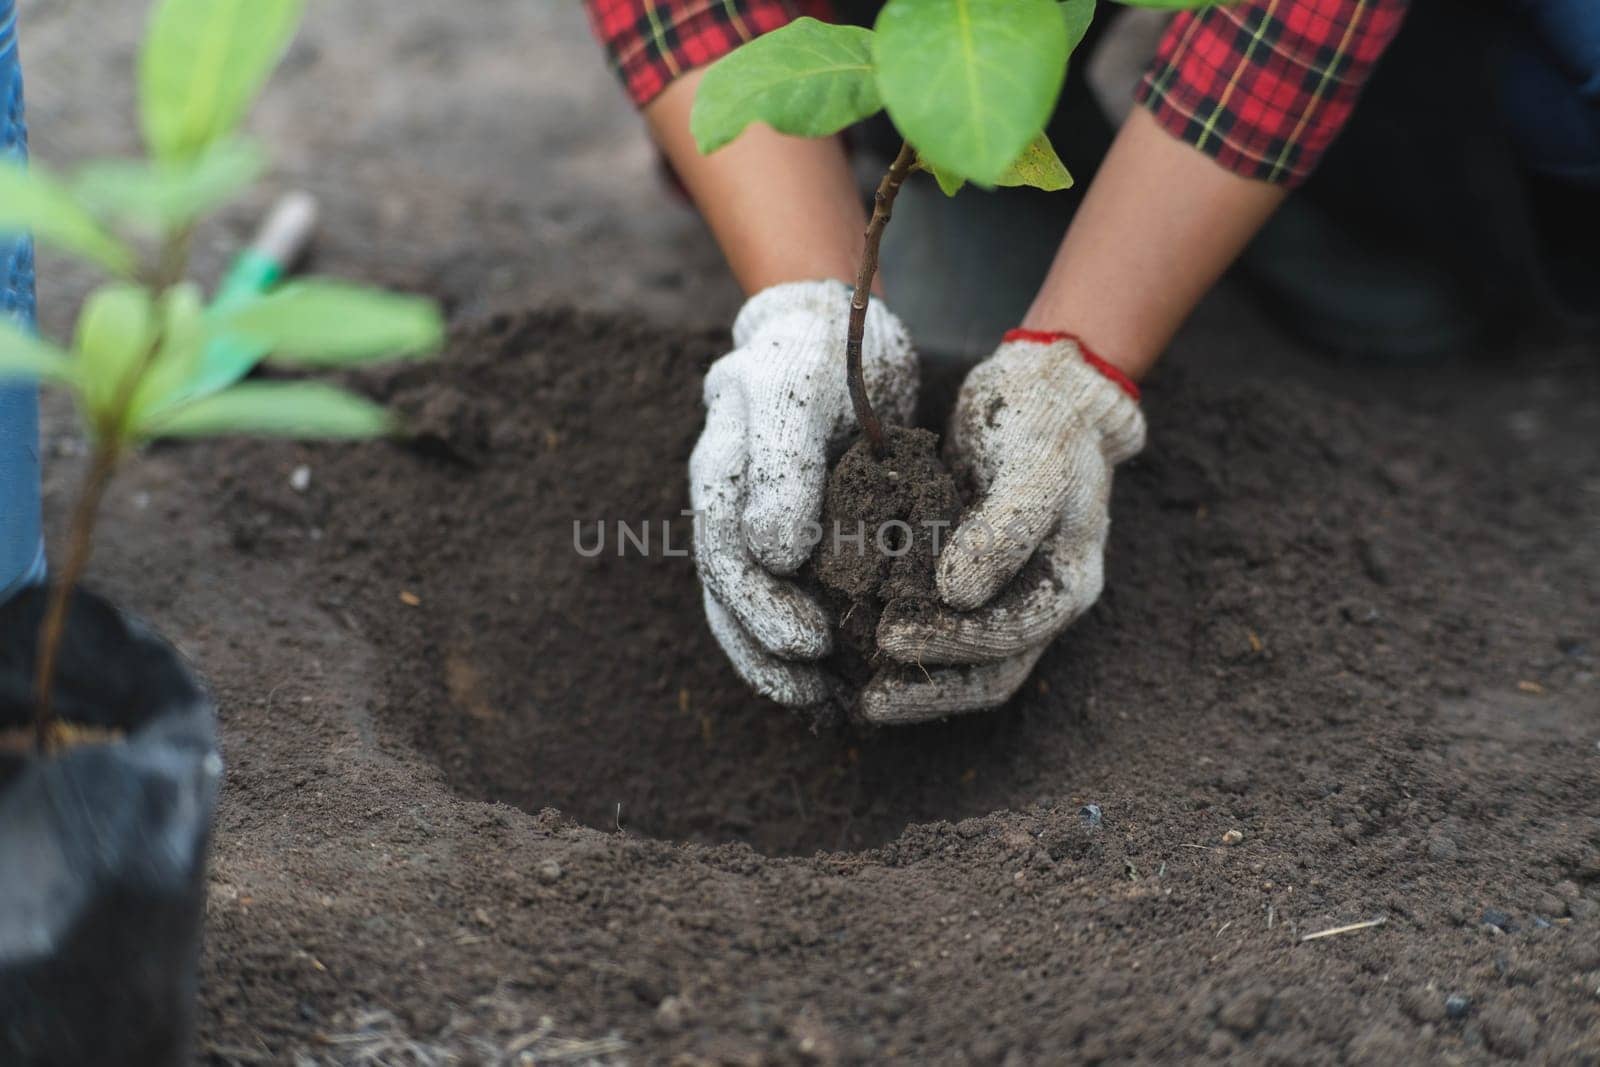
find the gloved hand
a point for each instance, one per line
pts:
(1036, 431)
(777, 407)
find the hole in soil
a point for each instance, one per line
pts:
(541, 676)
(666, 734)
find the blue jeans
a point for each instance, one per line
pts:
(21, 548)
(1550, 87)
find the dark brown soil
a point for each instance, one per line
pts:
(1355, 625)
(882, 523)
(1352, 615)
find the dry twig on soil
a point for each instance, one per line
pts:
(1351, 928)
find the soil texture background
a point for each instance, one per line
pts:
(1352, 637)
(487, 793)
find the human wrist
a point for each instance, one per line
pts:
(1093, 318)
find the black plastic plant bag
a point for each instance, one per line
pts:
(102, 846)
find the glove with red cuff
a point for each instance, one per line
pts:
(1036, 431)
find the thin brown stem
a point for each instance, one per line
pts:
(882, 208)
(172, 262)
(109, 432)
(81, 540)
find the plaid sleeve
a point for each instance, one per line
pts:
(1264, 86)
(651, 42)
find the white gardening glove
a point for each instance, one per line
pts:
(1037, 429)
(777, 410)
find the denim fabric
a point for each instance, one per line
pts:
(1550, 88)
(21, 551)
(1570, 29)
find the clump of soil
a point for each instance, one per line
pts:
(883, 521)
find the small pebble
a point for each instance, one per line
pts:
(300, 478)
(1499, 919)
(1423, 1005)
(548, 872)
(1232, 837)
(1247, 1011)
(1457, 1005)
(1442, 848)
(672, 1013)
(1091, 815)
(1376, 560)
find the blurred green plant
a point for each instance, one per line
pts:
(133, 365)
(969, 84)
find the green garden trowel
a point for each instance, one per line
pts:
(278, 243)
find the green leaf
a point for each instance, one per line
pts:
(164, 195)
(24, 356)
(808, 78)
(203, 63)
(1078, 15)
(274, 409)
(1039, 167)
(949, 183)
(31, 200)
(183, 335)
(970, 82)
(115, 333)
(320, 323)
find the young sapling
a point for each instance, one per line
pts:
(969, 85)
(134, 367)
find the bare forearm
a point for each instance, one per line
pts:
(782, 208)
(1157, 228)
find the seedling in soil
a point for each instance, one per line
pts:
(969, 85)
(133, 367)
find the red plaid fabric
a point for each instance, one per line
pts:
(651, 42)
(1261, 86)
(1264, 87)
